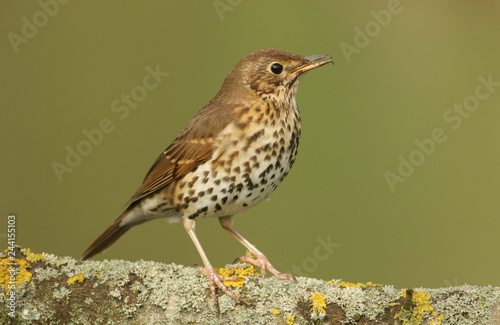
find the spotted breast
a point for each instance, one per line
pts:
(254, 154)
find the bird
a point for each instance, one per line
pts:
(229, 158)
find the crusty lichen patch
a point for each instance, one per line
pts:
(357, 285)
(13, 272)
(415, 308)
(318, 306)
(32, 257)
(236, 272)
(75, 278)
(318, 302)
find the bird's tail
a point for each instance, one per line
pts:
(105, 240)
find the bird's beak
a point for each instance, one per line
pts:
(315, 61)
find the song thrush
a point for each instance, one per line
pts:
(230, 157)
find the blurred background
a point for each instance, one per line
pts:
(397, 179)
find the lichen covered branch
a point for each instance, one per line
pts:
(44, 288)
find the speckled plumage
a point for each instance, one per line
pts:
(230, 157)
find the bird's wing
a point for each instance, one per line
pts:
(192, 147)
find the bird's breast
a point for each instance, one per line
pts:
(252, 155)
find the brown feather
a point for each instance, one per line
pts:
(105, 240)
(192, 147)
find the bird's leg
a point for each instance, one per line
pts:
(260, 259)
(208, 270)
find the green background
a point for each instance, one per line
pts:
(439, 227)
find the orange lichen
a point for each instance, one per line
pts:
(73, 279)
(318, 302)
(14, 272)
(357, 285)
(33, 257)
(240, 273)
(418, 309)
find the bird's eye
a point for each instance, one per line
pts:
(276, 68)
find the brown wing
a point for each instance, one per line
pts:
(192, 147)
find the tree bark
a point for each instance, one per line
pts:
(48, 289)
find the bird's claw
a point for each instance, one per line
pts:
(217, 280)
(264, 264)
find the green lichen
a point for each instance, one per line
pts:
(30, 313)
(61, 293)
(466, 304)
(43, 274)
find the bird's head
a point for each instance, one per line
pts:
(272, 74)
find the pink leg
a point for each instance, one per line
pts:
(208, 270)
(260, 259)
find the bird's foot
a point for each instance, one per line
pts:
(216, 280)
(262, 261)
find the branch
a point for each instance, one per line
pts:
(46, 288)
